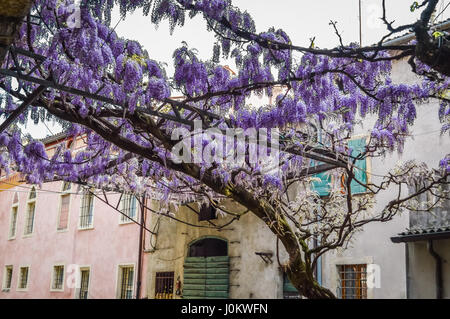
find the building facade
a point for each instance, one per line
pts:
(61, 241)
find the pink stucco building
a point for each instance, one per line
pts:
(60, 241)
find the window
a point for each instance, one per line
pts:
(86, 216)
(58, 278)
(63, 220)
(323, 186)
(13, 219)
(7, 278)
(352, 281)
(84, 284)
(128, 208)
(358, 147)
(164, 285)
(207, 212)
(289, 291)
(24, 273)
(126, 274)
(31, 208)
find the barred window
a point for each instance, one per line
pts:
(84, 285)
(7, 277)
(86, 215)
(58, 277)
(164, 285)
(13, 220)
(63, 221)
(126, 282)
(23, 277)
(31, 208)
(128, 208)
(352, 281)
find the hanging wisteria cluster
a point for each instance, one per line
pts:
(93, 58)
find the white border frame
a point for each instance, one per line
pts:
(5, 289)
(28, 278)
(29, 201)
(77, 289)
(13, 205)
(64, 193)
(130, 221)
(93, 211)
(119, 277)
(52, 276)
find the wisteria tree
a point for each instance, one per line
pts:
(70, 65)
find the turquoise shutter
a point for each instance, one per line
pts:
(206, 278)
(358, 147)
(322, 187)
(287, 285)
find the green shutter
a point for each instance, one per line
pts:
(323, 186)
(287, 285)
(358, 147)
(206, 277)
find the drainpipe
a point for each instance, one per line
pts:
(141, 234)
(439, 282)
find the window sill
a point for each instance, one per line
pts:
(27, 235)
(22, 290)
(12, 238)
(56, 290)
(6, 289)
(127, 222)
(86, 228)
(62, 230)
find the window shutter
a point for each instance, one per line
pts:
(323, 186)
(206, 277)
(358, 147)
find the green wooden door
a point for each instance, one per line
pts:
(206, 277)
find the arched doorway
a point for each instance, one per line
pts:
(206, 269)
(208, 247)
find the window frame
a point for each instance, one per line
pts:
(127, 220)
(27, 218)
(20, 277)
(5, 272)
(358, 280)
(119, 279)
(69, 194)
(14, 206)
(332, 180)
(367, 159)
(78, 289)
(91, 226)
(167, 277)
(52, 281)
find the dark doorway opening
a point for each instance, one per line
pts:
(208, 247)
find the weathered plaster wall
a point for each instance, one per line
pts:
(250, 276)
(422, 269)
(373, 243)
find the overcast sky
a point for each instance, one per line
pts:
(301, 19)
